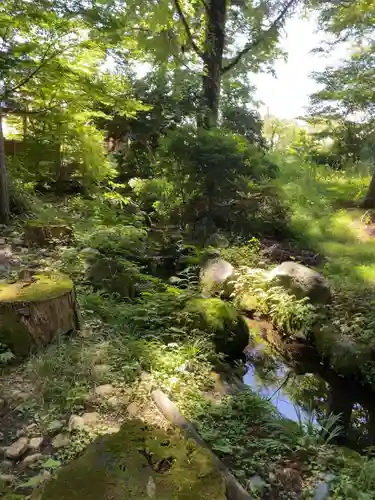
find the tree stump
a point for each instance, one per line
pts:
(42, 234)
(37, 310)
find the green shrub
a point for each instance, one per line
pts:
(221, 181)
(127, 241)
(222, 320)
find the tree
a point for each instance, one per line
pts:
(346, 104)
(216, 49)
(205, 40)
(51, 66)
(347, 98)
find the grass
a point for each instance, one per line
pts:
(316, 197)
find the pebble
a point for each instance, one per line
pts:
(46, 475)
(132, 409)
(2, 403)
(31, 459)
(75, 423)
(35, 443)
(60, 441)
(7, 478)
(104, 390)
(90, 418)
(113, 401)
(17, 449)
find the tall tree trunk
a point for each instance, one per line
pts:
(369, 201)
(4, 190)
(213, 59)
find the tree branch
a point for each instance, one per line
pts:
(45, 60)
(187, 29)
(260, 38)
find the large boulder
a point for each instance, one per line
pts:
(301, 281)
(138, 463)
(215, 278)
(229, 329)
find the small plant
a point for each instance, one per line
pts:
(6, 355)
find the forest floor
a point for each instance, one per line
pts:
(62, 398)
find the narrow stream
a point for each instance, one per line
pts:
(266, 375)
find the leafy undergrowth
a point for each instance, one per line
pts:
(145, 341)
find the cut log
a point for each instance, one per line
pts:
(41, 234)
(36, 311)
(234, 490)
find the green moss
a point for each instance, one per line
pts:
(231, 333)
(137, 463)
(46, 286)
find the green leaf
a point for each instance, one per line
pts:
(51, 464)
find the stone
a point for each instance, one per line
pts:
(215, 277)
(112, 468)
(228, 328)
(301, 281)
(151, 488)
(46, 475)
(257, 484)
(35, 443)
(132, 409)
(75, 423)
(31, 459)
(54, 427)
(60, 441)
(2, 403)
(7, 478)
(113, 401)
(104, 390)
(90, 418)
(17, 449)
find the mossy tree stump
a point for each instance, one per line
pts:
(38, 233)
(37, 310)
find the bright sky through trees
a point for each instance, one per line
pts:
(287, 95)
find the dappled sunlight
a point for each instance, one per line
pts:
(338, 234)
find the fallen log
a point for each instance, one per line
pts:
(234, 490)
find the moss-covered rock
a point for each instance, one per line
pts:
(115, 276)
(137, 463)
(230, 331)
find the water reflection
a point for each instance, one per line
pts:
(295, 396)
(269, 390)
